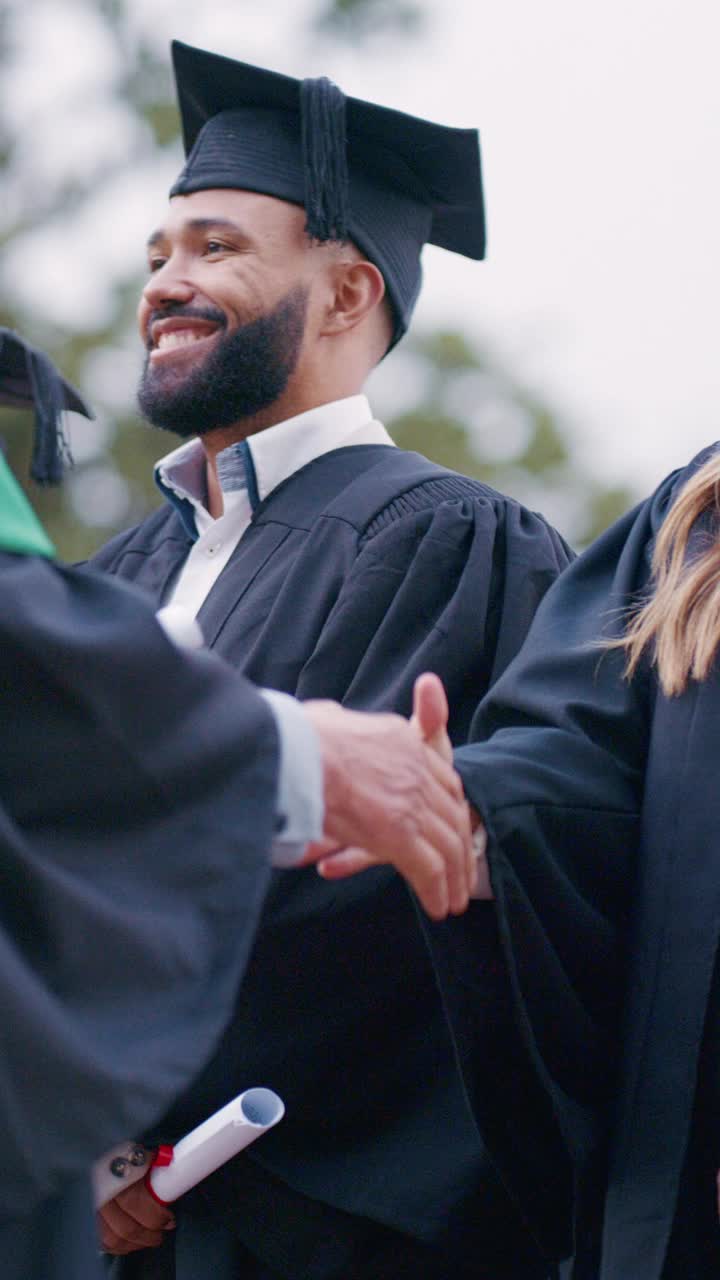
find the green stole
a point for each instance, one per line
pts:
(20, 529)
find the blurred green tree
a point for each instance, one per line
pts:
(471, 414)
(364, 19)
(464, 410)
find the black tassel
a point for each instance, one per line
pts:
(322, 111)
(50, 448)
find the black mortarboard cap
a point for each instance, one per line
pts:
(29, 379)
(388, 181)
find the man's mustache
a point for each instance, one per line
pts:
(175, 310)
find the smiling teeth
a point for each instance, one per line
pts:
(178, 338)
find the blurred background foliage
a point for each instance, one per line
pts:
(439, 393)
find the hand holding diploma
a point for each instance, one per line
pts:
(138, 1217)
(133, 1220)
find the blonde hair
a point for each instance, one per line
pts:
(681, 620)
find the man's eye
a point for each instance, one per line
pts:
(154, 264)
(215, 246)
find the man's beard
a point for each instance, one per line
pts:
(246, 370)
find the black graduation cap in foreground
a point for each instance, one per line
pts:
(386, 180)
(29, 379)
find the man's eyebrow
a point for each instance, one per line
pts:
(200, 224)
(219, 224)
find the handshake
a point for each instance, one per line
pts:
(392, 796)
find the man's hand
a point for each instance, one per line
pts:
(429, 720)
(389, 793)
(133, 1220)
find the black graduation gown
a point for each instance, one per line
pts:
(603, 811)
(363, 569)
(137, 789)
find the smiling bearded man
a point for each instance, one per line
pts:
(323, 561)
(244, 370)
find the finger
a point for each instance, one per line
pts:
(121, 1230)
(469, 864)
(318, 849)
(446, 804)
(426, 873)
(430, 708)
(118, 1248)
(443, 821)
(451, 841)
(140, 1205)
(348, 862)
(440, 825)
(119, 1233)
(478, 845)
(461, 871)
(436, 835)
(444, 773)
(431, 834)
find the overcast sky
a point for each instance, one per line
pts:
(600, 129)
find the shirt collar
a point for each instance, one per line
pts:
(261, 463)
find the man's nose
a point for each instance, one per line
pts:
(167, 284)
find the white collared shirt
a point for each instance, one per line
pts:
(276, 453)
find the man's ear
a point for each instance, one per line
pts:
(357, 290)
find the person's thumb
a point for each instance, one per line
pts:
(430, 710)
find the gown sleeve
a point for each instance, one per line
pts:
(444, 584)
(137, 800)
(555, 768)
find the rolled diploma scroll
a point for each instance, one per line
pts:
(199, 1153)
(216, 1140)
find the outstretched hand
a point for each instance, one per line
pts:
(429, 720)
(392, 797)
(344, 857)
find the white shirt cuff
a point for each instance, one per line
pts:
(300, 808)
